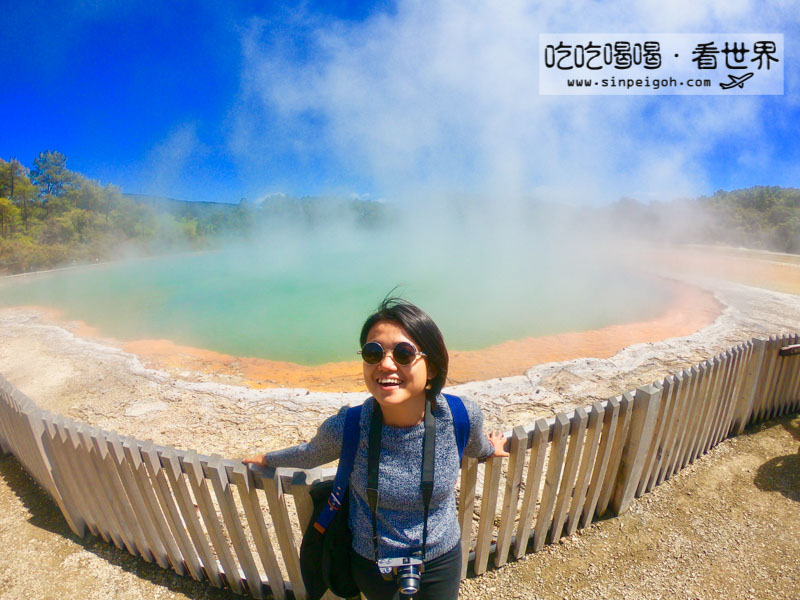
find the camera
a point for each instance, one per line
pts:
(406, 570)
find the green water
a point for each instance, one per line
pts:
(303, 297)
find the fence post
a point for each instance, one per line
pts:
(634, 453)
(744, 409)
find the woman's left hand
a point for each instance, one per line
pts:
(497, 440)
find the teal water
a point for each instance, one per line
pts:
(303, 298)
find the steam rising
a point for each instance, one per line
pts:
(443, 97)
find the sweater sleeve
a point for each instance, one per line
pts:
(325, 446)
(478, 445)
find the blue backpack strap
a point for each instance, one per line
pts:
(350, 437)
(460, 421)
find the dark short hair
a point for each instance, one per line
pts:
(421, 329)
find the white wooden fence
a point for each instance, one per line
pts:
(218, 521)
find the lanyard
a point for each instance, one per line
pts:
(373, 459)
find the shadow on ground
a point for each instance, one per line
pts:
(45, 514)
(782, 473)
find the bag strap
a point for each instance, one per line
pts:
(373, 460)
(428, 455)
(460, 421)
(350, 437)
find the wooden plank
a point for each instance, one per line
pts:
(771, 391)
(146, 488)
(194, 471)
(516, 464)
(84, 498)
(189, 559)
(690, 382)
(215, 472)
(731, 400)
(538, 437)
(620, 435)
(577, 436)
(63, 477)
(155, 548)
(767, 374)
(794, 392)
(742, 361)
(558, 449)
(610, 423)
(106, 527)
(673, 428)
(634, 453)
(101, 489)
(593, 431)
(255, 517)
(491, 485)
(724, 400)
(778, 396)
(206, 561)
(666, 415)
(695, 415)
(283, 530)
(784, 400)
(708, 416)
(466, 507)
(751, 385)
(658, 433)
(130, 531)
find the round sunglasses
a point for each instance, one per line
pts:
(403, 353)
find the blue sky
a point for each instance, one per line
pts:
(224, 100)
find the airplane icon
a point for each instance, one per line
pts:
(736, 81)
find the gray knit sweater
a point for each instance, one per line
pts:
(400, 513)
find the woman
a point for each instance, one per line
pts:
(405, 366)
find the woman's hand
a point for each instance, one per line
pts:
(259, 460)
(498, 441)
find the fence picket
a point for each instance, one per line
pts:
(155, 549)
(656, 447)
(466, 507)
(193, 468)
(516, 463)
(558, 449)
(130, 530)
(215, 472)
(538, 436)
(593, 431)
(171, 463)
(252, 508)
(273, 488)
(491, 485)
(577, 435)
(610, 423)
(711, 408)
(617, 445)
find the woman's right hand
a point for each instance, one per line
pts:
(259, 460)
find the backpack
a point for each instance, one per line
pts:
(325, 549)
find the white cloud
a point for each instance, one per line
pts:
(444, 95)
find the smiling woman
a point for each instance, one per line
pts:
(407, 434)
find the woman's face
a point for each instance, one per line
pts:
(392, 384)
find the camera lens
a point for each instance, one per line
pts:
(408, 580)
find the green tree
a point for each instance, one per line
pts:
(51, 176)
(15, 185)
(9, 215)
